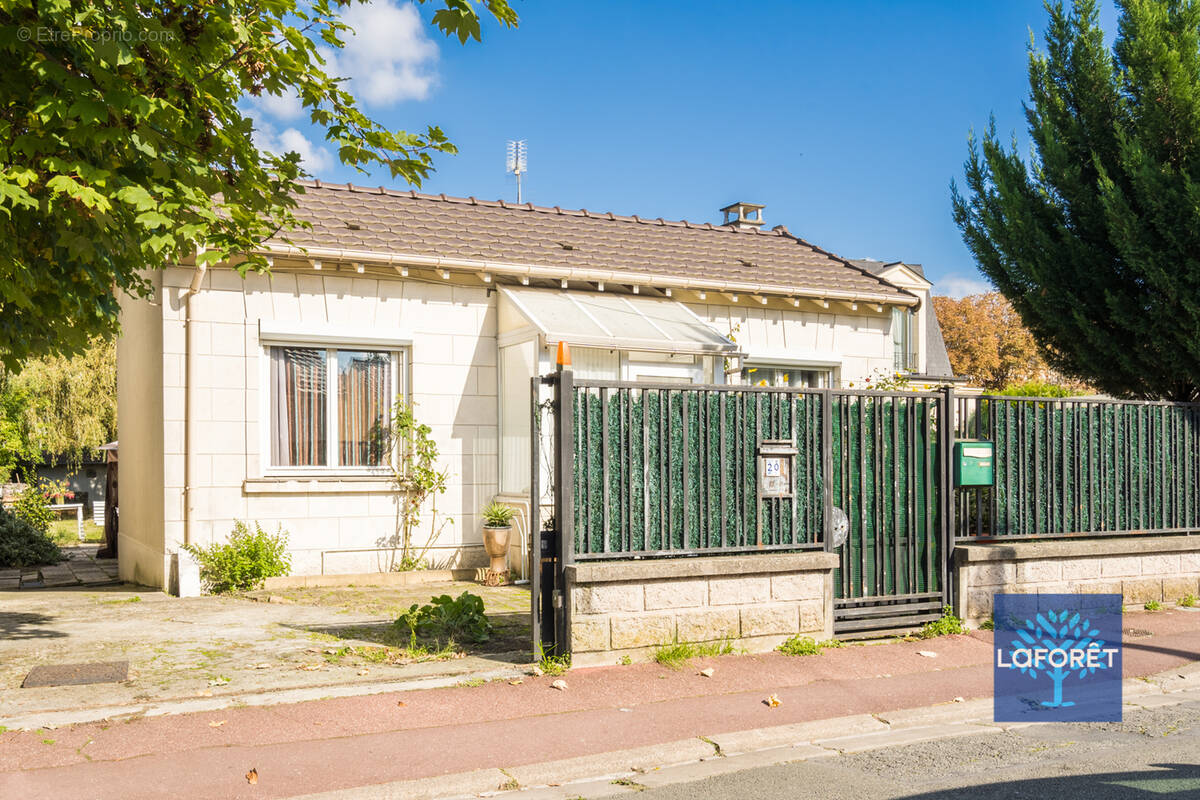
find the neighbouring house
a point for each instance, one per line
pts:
(258, 397)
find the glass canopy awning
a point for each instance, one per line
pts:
(618, 322)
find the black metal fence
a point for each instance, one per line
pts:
(1069, 467)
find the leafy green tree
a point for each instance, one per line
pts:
(125, 145)
(1096, 241)
(59, 405)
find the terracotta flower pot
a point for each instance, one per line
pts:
(495, 543)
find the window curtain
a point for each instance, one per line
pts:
(364, 407)
(298, 407)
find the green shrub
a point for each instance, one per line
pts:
(1153, 605)
(23, 545)
(245, 561)
(1188, 601)
(947, 625)
(1034, 389)
(33, 507)
(460, 619)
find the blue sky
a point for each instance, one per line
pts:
(848, 120)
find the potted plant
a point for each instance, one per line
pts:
(497, 526)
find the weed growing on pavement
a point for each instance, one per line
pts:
(988, 624)
(800, 646)
(551, 664)
(677, 654)
(460, 617)
(473, 682)
(625, 660)
(121, 601)
(946, 626)
(629, 783)
(1153, 605)
(1188, 601)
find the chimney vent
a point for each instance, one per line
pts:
(743, 216)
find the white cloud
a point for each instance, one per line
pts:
(284, 107)
(959, 286)
(388, 58)
(314, 158)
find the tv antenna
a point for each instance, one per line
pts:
(515, 162)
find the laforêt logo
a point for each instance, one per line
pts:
(1058, 657)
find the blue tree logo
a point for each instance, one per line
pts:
(1064, 646)
(1058, 642)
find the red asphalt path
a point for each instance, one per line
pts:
(356, 741)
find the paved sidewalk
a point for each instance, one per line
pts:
(505, 728)
(80, 569)
(211, 652)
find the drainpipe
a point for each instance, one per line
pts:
(189, 422)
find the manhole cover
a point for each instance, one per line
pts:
(77, 674)
(1136, 633)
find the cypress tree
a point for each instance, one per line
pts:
(1096, 241)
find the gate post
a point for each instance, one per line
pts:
(826, 468)
(564, 502)
(533, 570)
(946, 478)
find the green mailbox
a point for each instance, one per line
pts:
(973, 461)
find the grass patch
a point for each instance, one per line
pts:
(66, 532)
(948, 625)
(551, 664)
(121, 601)
(1153, 605)
(807, 646)
(473, 682)
(1188, 601)
(677, 654)
(629, 783)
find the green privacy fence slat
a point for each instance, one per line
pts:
(673, 471)
(1074, 467)
(884, 479)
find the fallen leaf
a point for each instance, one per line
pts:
(401, 703)
(536, 672)
(204, 694)
(772, 701)
(262, 666)
(217, 723)
(310, 667)
(927, 653)
(559, 684)
(515, 682)
(252, 776)
(363, 671)
(706, 673)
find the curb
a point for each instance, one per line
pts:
(706, 756)
(267, 697)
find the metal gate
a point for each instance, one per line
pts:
(887, 459)
(651, 470)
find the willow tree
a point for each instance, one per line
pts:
(1096, 239)
(125, 142)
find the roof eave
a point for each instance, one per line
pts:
(899, 297)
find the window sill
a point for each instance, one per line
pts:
(318, 484)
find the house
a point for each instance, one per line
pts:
(256, 397)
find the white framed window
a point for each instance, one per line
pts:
(904, 340)
(329, 408)
(795, 377)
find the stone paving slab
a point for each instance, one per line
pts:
(81, 568)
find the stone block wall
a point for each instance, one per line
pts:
(631, 608)
(1139, 568)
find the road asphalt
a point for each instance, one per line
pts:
(473, 739)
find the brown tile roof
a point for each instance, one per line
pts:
(389, 222)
